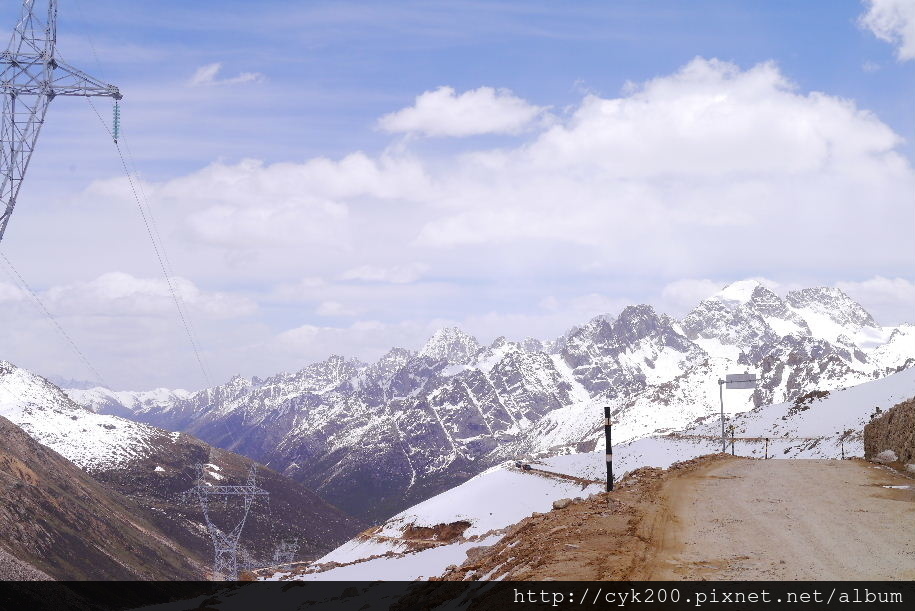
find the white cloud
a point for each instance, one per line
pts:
(890, 300)
(398, 274)
(9, 293)
(128, 328)
(364, 339)
(714, 172)
(683, 295)
(206, 75)
(121, 294)
(250, 204)
(680, 296)
(712, 167)
(443, 112)
(335, 308)
(894, 22)
(710, 171)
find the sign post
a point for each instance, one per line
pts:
(732, 380)
(607, 424)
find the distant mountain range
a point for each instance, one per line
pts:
(92, 496)
(456, 525)
(375, 438)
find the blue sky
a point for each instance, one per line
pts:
(409, 222)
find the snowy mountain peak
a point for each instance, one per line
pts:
(48, 415)
(834, 304)
(238, 382)
(498, 343)
(638, 321)
(328, 374)
(529, 344)
(738, 292)
(452, 345)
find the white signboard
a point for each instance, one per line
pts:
(740, 380)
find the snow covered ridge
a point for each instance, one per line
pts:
(480, 508)
(424, 421)
(97, 397)
(815, 426)
(809, 428)
(89, 440)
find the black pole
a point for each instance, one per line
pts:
(609, 448)
(724, 447)
(767, 449)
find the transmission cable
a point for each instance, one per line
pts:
(22, 284)
(158, 248)
(169, 269)
(152, 221)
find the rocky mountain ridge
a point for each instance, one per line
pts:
(375, 438)
(148, 468)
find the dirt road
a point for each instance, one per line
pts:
(785, 519)
(720, 517)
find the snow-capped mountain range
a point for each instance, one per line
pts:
(151, 467)
(484, 508)
(376, 438)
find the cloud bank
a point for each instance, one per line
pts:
(894, 22)
(206, 76)
(443, 112)
(662, 193)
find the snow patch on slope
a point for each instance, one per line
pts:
(811, 430)
(89, 440)
(407, 567)
(494, 499)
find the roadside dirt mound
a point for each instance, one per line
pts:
(439, 532)
(603, 537)
(894, 430)
(719, 517)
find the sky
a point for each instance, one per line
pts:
(345, 177)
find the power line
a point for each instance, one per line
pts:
(19, 280)
(158, 248)
(168, 264)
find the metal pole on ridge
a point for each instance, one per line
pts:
(609, 452)
(724, 447)
(732, 380)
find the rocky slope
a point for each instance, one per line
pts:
(490, 507)
(376, 438)
(57, 519)
(152, 467)
(894, 430)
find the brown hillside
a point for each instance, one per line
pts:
(56, 518)
(894, 430)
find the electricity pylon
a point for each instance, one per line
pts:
(31, 77)
(225, 543)
(285, 551)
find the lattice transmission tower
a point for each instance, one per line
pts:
(225, 542)
(285, 551)
(31, 77)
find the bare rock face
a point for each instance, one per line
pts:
(894, 431)
(561, 503)
(474, 554)
(58, 521)
(374, 439)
